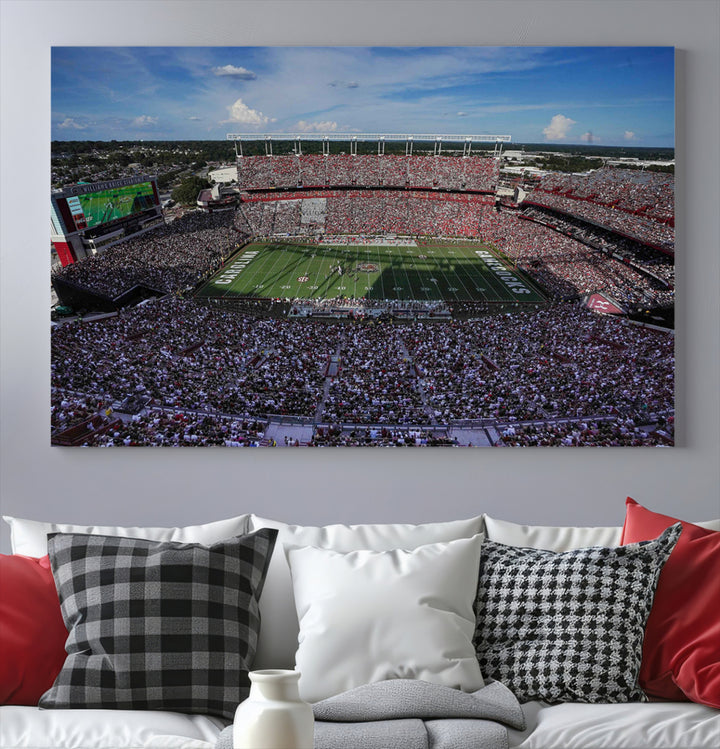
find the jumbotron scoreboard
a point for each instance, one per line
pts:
(90, 217)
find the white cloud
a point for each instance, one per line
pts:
(144, 121)
(558, 127)
(242, 114)
(316, 127)
(587, 137)
(629, 135)
(69, 122)
(235, 72)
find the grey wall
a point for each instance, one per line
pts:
(166, 486)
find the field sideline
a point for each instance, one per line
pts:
(430, 272)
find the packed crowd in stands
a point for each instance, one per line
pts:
(68, 410)
(569, 268)
(659, 264)
(559, 361)
(157, 427)
(373, 391)
(188, 356)
(174, 256)
(343, 170)
(590, 433)
(154, 427)
(636, 203)
(649, 193)
(408, 212)
(334, 435)
(216, 366)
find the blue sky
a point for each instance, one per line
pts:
(602, 95)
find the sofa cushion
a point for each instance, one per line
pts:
(32, 632)
(559, 537)
(368, 616)
(681, 654)
(31, 728)
(647, 725)
(550, 537)
(157, 625)
(279, 625)
(580, 726)
(29, 537)
(567, 626)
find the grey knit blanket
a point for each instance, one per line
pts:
(410, 714)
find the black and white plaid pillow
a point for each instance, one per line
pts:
(568, 627)
(157, 625)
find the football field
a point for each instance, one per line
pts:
(409, 273)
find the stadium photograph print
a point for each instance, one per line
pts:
(363, 247)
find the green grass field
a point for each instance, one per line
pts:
(423, 273)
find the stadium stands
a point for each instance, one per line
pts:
(409, 212)
(226, 373)
(634, 203)
(313, 171)
(568, 267)
(472, 173)
(175, 256)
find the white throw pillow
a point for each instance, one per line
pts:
(367, 616)
(29, 537)
(559, 538)
(549, 537)
(279, 624)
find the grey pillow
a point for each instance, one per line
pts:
(157, 625)
(567, 627)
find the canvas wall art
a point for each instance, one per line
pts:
(363, 247)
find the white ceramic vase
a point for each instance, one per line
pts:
(274, 716)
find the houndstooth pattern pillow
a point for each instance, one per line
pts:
(157, 625)
(567, 627)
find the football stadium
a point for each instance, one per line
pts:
(347, 298)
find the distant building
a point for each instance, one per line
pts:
(216, 198)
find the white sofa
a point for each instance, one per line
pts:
(634, 725)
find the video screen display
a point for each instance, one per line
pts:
(95, 208)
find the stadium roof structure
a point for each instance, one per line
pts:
(379, 138)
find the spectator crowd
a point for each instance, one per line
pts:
(569, 267)
(212, 376)
(407, 212)
(175, 256)
(343, 170)
(638, 204)
(652, 262)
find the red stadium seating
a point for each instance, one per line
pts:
(411, 212)
(341, 170)
(635, 203)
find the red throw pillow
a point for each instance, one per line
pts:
(681, 651)
(32, 632)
